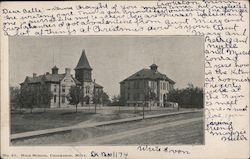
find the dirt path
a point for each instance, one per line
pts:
(129, 133)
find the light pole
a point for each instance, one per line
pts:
(95, 98)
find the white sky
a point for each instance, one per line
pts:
(113, 58)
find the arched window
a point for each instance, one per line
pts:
(87, 89)
(54, 98)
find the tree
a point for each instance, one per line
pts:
(97, 98)
(150, 96)
(189, 97)
(45, 96)
(15, 95)
(115, 100)
(105, 99)
(75, 96)
(28, 97)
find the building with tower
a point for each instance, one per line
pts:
(60, 83)
(83, 74)
(138, 88)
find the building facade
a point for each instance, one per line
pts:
(59, 84)
(146, 86)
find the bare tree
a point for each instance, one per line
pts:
(75, 96)
(46, 95)
(149, 96)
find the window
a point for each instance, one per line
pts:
(145, 83)
(138, 96)
(63, 88)
(141, 96)
(87, 89)
(54, 88)
(131, 84)
(153, 84)
(54, 98)
(63, 99)
(128, 96)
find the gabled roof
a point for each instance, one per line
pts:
(47, 78)
(149, 74)
(44, 78)
(54, 77)
(83, 62)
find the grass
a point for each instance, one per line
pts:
(183, 134)
(52, 119)
(23, 122)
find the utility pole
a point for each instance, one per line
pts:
(95, 98)
(143, 107)
(82, 90)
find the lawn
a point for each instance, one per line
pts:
(53, 118)
(45, 120)
(192, 134)
(183, 134)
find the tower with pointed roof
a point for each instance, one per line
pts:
(83, 71)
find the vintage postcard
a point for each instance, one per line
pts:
(125, 79)
(106, 90)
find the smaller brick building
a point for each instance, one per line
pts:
(134, 89)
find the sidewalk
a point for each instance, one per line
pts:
(87, 125)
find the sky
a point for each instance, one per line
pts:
(113, 58)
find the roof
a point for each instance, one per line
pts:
(55, 68)
(47, 78)
(149, 74)
(83, 62)
(76, 81)
(98, 86)
(153, 65)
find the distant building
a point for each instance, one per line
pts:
(59, 84)
(135, 89)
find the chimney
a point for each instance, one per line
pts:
(34, 74)
(67, 71)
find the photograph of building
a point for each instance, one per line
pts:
(59, 84)
(106, 90)
(138, 87)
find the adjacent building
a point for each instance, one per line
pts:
(146, 85)
(59, 84)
